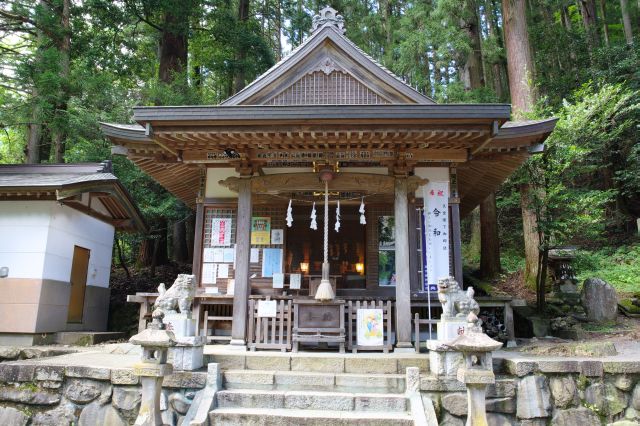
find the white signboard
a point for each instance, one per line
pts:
(295, 280)
(267, 308)
(278, 280)
(221, 232)
(436, 228)
(223, 270)
(370, 327)
(277, 236)
(254, 256)
(209, 273)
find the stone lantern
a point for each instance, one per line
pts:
(476, 371)
(155, 342)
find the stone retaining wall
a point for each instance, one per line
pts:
(531, 392)
(85, 396)
(527, 392)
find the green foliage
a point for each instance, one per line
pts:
(619, 266)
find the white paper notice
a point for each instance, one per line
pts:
(221, 232)
(229, 255)
(278, 280)
(295, 280)
(209, 273)
(255, 255)
(211, 290)
(223, 270)
(207, 254)
(230, 286)
(218, 255)
(267, 308)
(436, 228)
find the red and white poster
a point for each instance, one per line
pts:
(221, 232)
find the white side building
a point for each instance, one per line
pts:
(57, 224)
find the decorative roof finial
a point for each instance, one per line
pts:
(328, 17)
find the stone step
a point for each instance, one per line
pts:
(86, 338)
(311, 400)
(299, 380)
(284, 417)
(361, 363)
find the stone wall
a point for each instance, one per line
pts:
(61, 395)
(536, 393)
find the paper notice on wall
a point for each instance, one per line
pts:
(295, 281)
(229, 255)
(255, 255)
(278, 280)
(218, 255)
(436, 229)
(207, 254)
(209, 273)
(223, 270)
(221, 232)
(271, 262)
(267, 308)
(230, 286)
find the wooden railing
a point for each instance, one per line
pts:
(270, 332)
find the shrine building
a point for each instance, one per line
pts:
(326, 126)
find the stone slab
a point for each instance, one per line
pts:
(333, 401)
(268, 362)
(124, 376)
(433, 383)
(421, 362)
(186, 357)
(250, 399)
(98, 373)
(369, 382)
(386, 403)
(319, 364)
(450, 329)
(12, 373)
(248, 377)
(370, 365)
(185, 379)
(308, 380)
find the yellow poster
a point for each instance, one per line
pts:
(260, 230)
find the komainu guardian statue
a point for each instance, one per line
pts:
(179, 296)
(456, 303)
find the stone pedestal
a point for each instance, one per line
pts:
(451, 328)
(187, 354)
(182, 325)
(443, 360)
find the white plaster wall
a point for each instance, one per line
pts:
(24, 227)
(69, 228)
(213, 189)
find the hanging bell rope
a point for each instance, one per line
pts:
(325, 291)
(337, 227)
(363, 219)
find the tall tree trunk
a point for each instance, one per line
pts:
(490, 253)
(626, 20)
(59, 129)
(588, 11)
(34, 131)
(475, 247)
(605, 27)
(531, 236)
(473, 67)
(519, 61)
(497, 67)
(174, 46)
(180, 253)
(241, 54)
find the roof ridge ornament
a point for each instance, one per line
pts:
(328, 17)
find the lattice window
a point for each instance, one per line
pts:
(335, 88)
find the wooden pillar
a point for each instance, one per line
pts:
(243, 247)
(197, 241)
(456, 241)
(403, 280)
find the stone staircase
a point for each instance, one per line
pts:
(313, 389)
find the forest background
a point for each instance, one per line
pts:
(66, 65)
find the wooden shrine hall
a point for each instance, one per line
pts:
(327, 130)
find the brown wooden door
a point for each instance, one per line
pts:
(79, 269)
